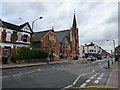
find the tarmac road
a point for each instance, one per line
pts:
(64, 75)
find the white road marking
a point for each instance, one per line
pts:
(27, 72)
(33, 71)
(76, 79)
(53, 67)
(68, 86)
(4, 76)
(17, 74)
(83, 85)
(91, 77)
(62, 66)
(108, 81)
(88, 80)
(96, 81)
(99, 78)
(101, 75)
(39, 69)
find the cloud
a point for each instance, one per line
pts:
(97, 21)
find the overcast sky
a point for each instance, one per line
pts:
(96, 21)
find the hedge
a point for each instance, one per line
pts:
(23, 53)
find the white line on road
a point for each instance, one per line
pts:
(4, 76)
(76, 79)
(91, 77)
(99, 78)
(33, 71)
(108, 81)
(68, 86)
(83, 85)
(39, 69)
(17, 74)
(53, 67)
(96, 81)
(88, 80)
(62, 66)
(101, 75)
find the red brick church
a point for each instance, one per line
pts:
(69, 41)
(61, 44)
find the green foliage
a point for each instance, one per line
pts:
(24, 53)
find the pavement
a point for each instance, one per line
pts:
(13, 65)
(114, 77)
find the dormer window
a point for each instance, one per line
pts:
(8, 36)
(25, 38)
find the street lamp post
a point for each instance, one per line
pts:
(33, 26)
(34, 22)
(114, 49)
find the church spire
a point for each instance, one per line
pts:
(74, 22)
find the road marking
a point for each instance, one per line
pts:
(33, 71)
(27, 72)
(4, 76)
(91, 77)
(101, 75)
(17, 74)
(88, 80)
(76, 79)
(53, 67)
(62, 66)
(108, 81)
(83, 85)
(39, 69)
(68, 86)
(96, 81)
(99, 78)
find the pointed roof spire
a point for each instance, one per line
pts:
(74, 22)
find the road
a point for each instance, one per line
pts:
(64, 75)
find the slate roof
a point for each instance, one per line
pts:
(62, 34)
(13, 26)
(38, 35)
(91, 44)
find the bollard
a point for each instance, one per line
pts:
(112, 61)
(108, 64)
